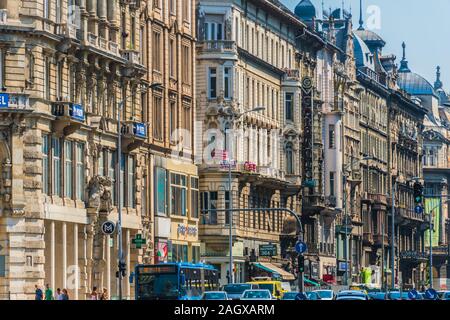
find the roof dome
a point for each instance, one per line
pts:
(363, 56)
(370, 37)
(415, 84)
(305, 10)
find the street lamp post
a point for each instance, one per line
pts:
(230, 192)
(394, 187)
(122, 264)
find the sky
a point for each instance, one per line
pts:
(423, 25)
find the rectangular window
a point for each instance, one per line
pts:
(46, 9)
(80, 186)
(173, 121)
(157, 51)
(131, 186)
(172, 59)
(208, 202)
(160, 191)
(157, 118)
(331, 136)
(68, 169)
(121, 195)
(212, 83)
(45, 164)
(178, 196)
(186, 10)
(101, 163)
(332, 184)
(173, 7)
(186, 54)
(289, 107)
(227, 83)
(133, 32)
(57, 176)
(194, 198)
(187, 125)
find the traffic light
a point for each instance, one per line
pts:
(301, 263)
(418, 193)
(122, 269)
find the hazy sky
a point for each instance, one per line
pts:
(423, 25)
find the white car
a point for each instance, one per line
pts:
(352, 295)
(260, 294)
(325, 294)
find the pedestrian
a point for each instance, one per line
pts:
(39, 295)
(94, 294)
(104, 295)
(48, 292)
(58, 294)
(65, 295)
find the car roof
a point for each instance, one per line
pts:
(352, 292)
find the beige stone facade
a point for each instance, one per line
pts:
(67, 66)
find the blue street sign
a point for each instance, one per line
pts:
(413, 294)
(419, 210)
(431, 294)
(4, 100)
(108, 227)
(140, 130)
(78, 112)
(300, 247)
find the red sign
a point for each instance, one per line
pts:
(328, 278)
(250, 166)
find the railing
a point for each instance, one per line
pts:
(218, 46)
(92, 39)
(3, 16)
(378, 198)
(103, 43)
(67, 30)
(291, 74)
(136, 129)
(414, 255)
(331, 201)
(68, 109)
(411, 214)
(369, 73)
(313, 248)
(114, 48)
(327, 248)
(132, 56)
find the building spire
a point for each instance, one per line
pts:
(438, 84)
(361, 21)
(404, 63)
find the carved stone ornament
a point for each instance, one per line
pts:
(100, 194)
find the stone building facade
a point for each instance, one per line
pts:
(66, 68)
(247, 59)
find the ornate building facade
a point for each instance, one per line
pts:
(247, 59)
(66, 69)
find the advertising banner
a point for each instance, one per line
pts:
(435, 205)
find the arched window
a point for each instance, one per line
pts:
(289, 158)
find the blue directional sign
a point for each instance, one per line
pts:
(300, 247)
(413, 294)
(78, 112)
(4, 100)
(140, 130)
(431, 294)
(419, 209)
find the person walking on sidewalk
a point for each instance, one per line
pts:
(39, 295)
(48, 292)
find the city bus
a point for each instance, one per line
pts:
(175, 281)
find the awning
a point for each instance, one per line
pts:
(269, 267)
(312, 283)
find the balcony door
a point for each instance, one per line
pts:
(214, 28)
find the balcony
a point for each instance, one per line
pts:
(103, 44)
(218, 46)
(92, 39)
(326, 249)
(68, 117)
(134, 135)
(414, 257)
(291, 75)
(67, 30)
(313, 248)
(313, 204)
(114, 48)
(131, 56)
(3, 16)
(408, 217)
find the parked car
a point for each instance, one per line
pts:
(215, 295)
(289, 296)
(235, 290)
(352, 295)
(445, 296)
(397, 295)
(378, 295)
(260, 294)
(325, 294)
(313, 296)
(275, 287)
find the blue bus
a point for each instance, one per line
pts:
(175, 281)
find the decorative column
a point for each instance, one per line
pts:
(64, 254)
(92, 9)
(103, 22)
(75, 260)
(52, 255)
